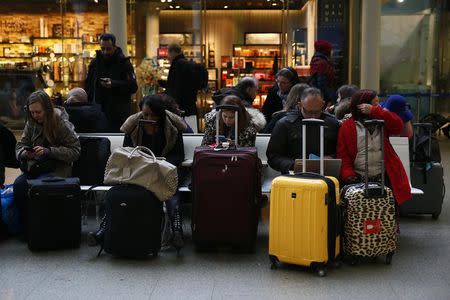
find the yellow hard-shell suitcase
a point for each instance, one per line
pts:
(304, 226)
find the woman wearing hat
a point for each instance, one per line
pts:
(397, 105)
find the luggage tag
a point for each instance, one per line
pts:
(126, 172)
(372, 226)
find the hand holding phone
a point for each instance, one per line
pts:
(105, 82)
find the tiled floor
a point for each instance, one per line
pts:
(420, 270)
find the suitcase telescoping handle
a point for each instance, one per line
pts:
(426, 126)
(305, 124)
(229, 107)
(374, 123)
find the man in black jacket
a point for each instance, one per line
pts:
(285, 143)
(111, 82)
(180, 84)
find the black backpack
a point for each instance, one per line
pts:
(8, 144)
(199, 75)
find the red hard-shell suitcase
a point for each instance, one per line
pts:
(226, 189)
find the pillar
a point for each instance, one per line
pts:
(117, 13)
(152, 30)
(370, 44)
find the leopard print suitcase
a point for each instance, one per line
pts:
(370, 227)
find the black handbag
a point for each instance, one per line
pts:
(37, 167)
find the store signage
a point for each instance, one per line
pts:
(163, 52)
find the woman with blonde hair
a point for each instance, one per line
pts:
(48, 147)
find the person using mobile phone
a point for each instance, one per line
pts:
(48, 147)
(162, 132)
(247, 124)
(111, 81)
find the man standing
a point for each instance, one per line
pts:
(322, 71)
(110, 82)
(285, 143)
(181, 84)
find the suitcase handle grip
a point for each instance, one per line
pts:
(308, 175)
(53, 179)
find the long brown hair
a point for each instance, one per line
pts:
(50, 123)
(243, 116)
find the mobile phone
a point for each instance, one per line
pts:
(29, 149)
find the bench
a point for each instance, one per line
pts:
(400, 145)
(190, 141)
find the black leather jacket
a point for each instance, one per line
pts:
(285, 143)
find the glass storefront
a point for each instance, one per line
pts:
(50, 43)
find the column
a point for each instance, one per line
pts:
(370, 44)
(152, 32)
(117, 13)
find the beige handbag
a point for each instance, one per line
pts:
(140, 166)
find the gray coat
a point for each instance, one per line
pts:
(65, 151)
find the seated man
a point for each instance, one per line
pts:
(85, 116)
(285, 144)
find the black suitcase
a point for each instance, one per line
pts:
(53, 214)
(133, 222)
(90, 167)
(425, 175)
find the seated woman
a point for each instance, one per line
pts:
(344, 98)
(165, 139)
(48, 135)
(351, 146)
(247, 124)
(291, 104)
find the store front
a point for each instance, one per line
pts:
(49, 44)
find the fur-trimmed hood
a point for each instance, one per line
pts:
(173, 125)
(256, 117)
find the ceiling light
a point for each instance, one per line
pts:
(157, 8)
(268, 0)
(400, 1)
(96, 1)
(171, 6)
(177, 6)
(274, 4)
(169, 0)
(163, 1)
(226, 6)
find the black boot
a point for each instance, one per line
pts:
(96, 238)
(177, 230)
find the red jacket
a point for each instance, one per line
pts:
(347, 150)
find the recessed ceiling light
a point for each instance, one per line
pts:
(177, 6)
(400, 1)
(163, 1)
(169, 0)
(274, 4)
(96, 1)
(226, 6)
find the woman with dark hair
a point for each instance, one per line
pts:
(344, 99)
(286, 78)
(291, 103)
(48, 136)
(247, 128)
(351, 146)
(246, 90)
(164, 137)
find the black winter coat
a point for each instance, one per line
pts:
(86, 117)
(272, 104)
(116, 101)
(285, 143)
(7, 152)
(180, 87)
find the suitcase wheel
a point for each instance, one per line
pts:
(389, 258)
(321, 272)
(273, 262)
(435, 216)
